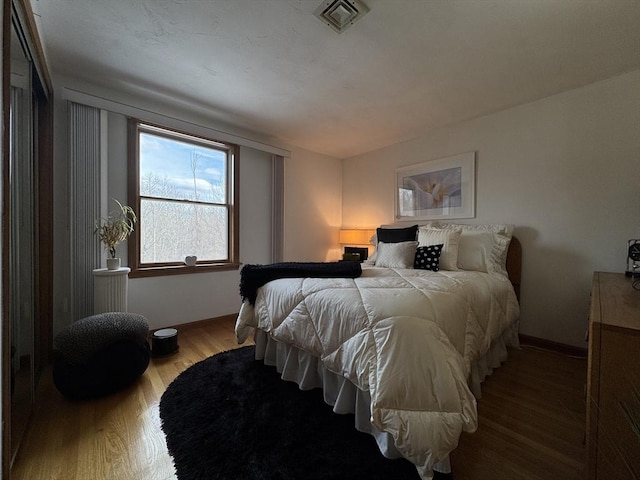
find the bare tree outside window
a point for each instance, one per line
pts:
(185, 198)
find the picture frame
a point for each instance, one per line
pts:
(438, 189)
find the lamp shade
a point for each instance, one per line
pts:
(356, 236)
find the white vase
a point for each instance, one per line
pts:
(113, 263)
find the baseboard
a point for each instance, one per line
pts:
(553, 346)
(202, 323)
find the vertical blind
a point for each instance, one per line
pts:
(277, 208)
(85, 159)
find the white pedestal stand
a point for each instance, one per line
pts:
(110, 290)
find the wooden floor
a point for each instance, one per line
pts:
(531, 422)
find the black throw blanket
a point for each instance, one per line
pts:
(253, 277)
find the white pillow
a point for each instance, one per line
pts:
(483, 248)
(501, 229)
(396, 255)
(474, 250)
(374, 241)
(448, 237)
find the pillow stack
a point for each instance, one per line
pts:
(483, 248)
(447, 238)
(396, 247)
(446, 246)
(400, 248)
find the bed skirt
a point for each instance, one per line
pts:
(307, 371)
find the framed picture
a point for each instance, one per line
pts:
(439, 189)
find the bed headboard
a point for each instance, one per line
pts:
(514, 264)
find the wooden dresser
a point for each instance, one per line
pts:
(613, 383)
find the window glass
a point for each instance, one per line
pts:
(171, 231)
(185, 199)
(179, 170)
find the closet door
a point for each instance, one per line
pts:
(22, 246)
(27, 216)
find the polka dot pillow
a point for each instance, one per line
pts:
(428, 258)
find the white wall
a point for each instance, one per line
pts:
(174, 299)
(313, 213)
(564, 170)
(313, 210)
(313, 207)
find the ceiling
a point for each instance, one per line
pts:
(406, 67)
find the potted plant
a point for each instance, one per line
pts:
(115, 229)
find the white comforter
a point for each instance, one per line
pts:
(408, 336)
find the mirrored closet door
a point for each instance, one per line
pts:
(22, 253)
(27, 225)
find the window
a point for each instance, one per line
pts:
(184, 189)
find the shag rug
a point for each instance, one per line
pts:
(230, 417)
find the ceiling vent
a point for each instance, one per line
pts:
(340, 14)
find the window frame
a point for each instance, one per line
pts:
(134, 127)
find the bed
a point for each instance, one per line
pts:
(405, 344)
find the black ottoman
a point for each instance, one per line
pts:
(100, 354)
